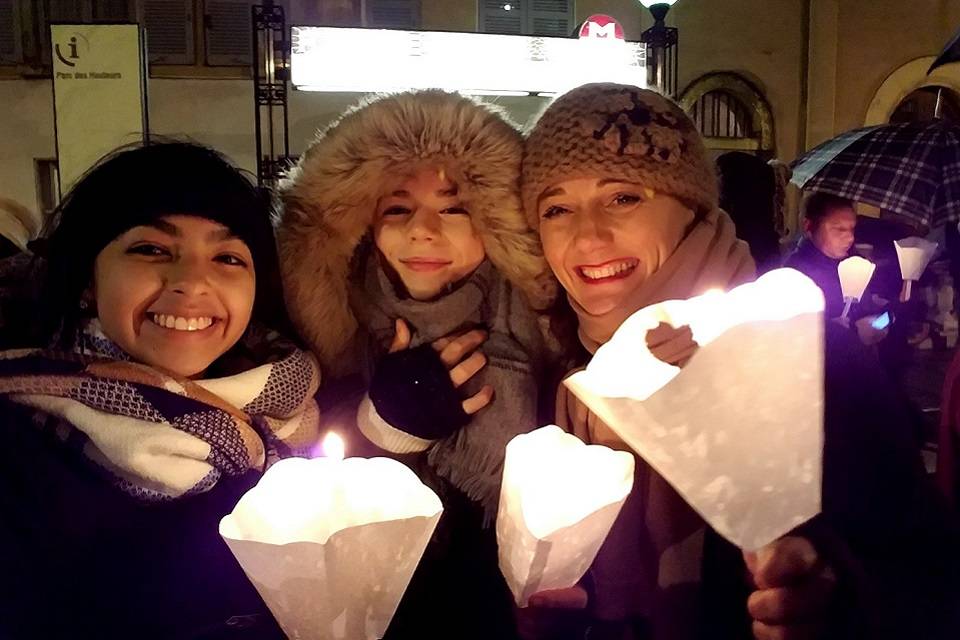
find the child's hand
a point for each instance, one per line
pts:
(672, 345)
(460, 355)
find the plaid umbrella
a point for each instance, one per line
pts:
(908, 169)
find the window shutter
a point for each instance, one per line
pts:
(8, 33)
(393, 14)
(550, 18)
(68, 11)
(169, 26)
(112, 11)
(228, 30)
(495, 17)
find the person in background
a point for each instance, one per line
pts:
(829, 223)
(748, 193)
(829, 227)
(617, 182)
(159, 396)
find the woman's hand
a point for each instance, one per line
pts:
(793, 590)
(460, 354)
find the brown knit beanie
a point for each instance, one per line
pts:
(618, 131)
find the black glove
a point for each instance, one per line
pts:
(413, 392)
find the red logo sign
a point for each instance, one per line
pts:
(602, 27)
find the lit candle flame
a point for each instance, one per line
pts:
(333, 446)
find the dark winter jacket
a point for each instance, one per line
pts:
(81, 559)
(884, 528)
(809, 260)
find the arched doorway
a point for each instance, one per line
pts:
(731, 114)
(902, 85)
(926, 103)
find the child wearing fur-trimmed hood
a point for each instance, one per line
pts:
(402, 226)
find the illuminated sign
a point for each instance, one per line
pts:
(367, 60)
(601, 26)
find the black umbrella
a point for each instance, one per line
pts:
(909, 169)
(950, 53)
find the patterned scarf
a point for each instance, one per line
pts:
(472, 458)
(158, 436)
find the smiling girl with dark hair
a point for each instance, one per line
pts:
(136, 429)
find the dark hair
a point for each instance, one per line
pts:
(819, 205)
(135, 185)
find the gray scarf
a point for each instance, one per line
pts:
(472, 458)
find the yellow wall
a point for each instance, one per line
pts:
(854, 46)
(762, 40)
(448, 15)
(878, 37)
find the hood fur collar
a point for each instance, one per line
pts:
(329, 199)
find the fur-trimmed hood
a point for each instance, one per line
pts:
(329, 199)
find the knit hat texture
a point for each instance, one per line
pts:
(621, 132)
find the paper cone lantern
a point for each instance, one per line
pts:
(739, 430)
(914, 255)
(331, 544)
(855, 274)
(558, 500)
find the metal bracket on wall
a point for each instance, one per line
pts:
(271, 71)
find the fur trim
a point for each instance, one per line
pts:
(329, 199)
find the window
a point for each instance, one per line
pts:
(8, 33)
(227, 25)
(718, 114)
(383, 14)
(730, 113)
(528, 17)
(179, 32)
(927, 103)
(392, 14)
(328, 13)
(170, 31)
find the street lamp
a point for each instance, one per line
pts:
(662, 48)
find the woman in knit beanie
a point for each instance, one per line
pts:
(618, 183)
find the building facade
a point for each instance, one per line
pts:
(773, 77)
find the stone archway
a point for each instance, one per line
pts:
(761, 139)
(903, 82)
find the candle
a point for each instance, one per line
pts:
(855, 274)
(331, 544)
(332, 446)
(558, 500)
(739, 431)
(914, 254)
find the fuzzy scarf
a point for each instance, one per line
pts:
(709, 257)
(158, 436)
(472, 458)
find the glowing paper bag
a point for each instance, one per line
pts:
(914, 255)
(855, 273)
(739, 430)
(331, 544)
(558, 500)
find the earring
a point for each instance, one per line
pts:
(84, 305)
